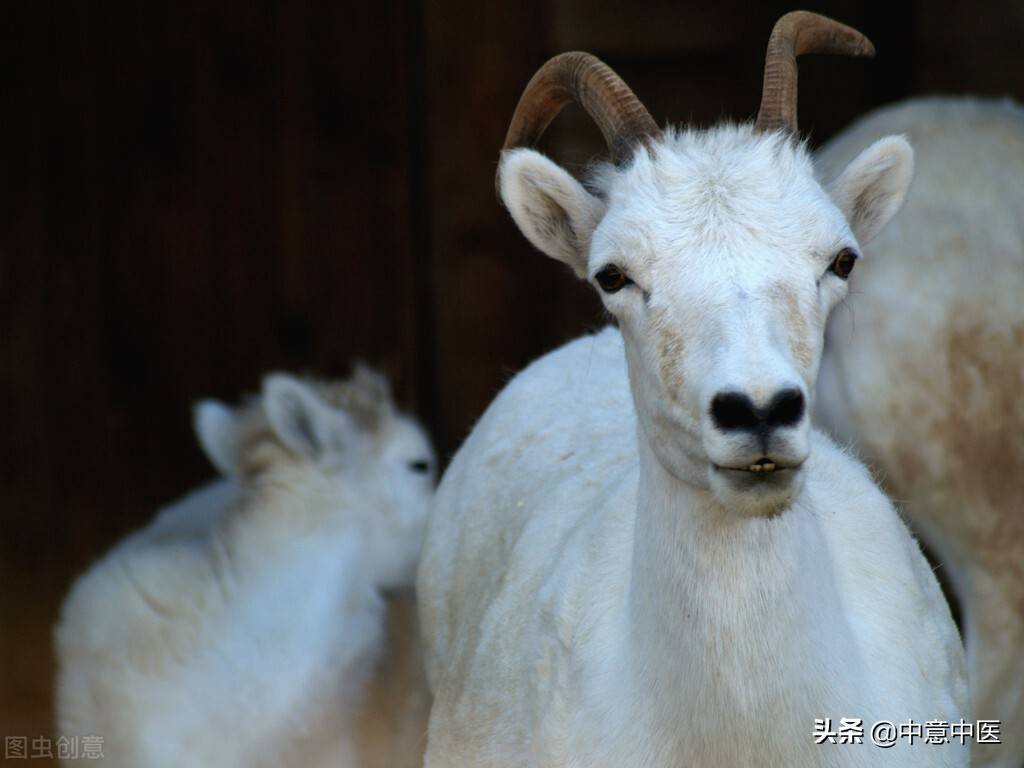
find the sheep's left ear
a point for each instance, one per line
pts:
(298, 416)
(214, 424)
(872, 188)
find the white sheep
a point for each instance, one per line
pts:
(643, 555)
(924, 371)
(243, 626)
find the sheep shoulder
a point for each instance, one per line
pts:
(526, 507)
(174, 614)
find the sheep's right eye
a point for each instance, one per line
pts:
(420, 467)
(612, 279)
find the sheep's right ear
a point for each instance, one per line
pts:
(549, 206)
(299, 417)
(214, 424)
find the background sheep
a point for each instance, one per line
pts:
(242, 626)
(924, 371)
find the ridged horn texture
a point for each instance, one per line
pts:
(795, 34)
(585, 79)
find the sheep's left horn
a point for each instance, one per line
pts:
(585, 79)
(795, 34)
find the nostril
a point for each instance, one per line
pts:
(734, 410)
(786, 409)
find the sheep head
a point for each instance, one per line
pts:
(719, 253)
(337, 453)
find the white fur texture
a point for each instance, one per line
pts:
(241, 626)
(924, 370)
(602, 584)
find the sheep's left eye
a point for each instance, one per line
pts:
(420, 467)
(842, 265)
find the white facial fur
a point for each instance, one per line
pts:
(727, 238)
(341, 444)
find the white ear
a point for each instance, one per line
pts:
(214, 424)
(549, 206)
(303, 422)
(872, 188)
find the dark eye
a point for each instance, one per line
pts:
(843, 263)
(612, 279)
(420, 466)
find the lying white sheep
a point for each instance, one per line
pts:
(242, 626)
(643, 554)
(924, 369)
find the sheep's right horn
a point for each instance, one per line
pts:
(795, 34)
(591, 83)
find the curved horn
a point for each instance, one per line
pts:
(588, 81)
(795, 34)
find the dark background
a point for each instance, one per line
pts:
(193, 195)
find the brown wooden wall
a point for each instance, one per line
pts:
(194, 193)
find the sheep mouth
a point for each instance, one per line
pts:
(763, 466)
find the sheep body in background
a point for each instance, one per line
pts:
(643, 555)
(924, 369)
(243, 626)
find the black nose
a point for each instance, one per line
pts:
(736, 411)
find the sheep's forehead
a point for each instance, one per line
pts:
(406, 437)
(722, 194)
(373, 410)
(369, 405)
